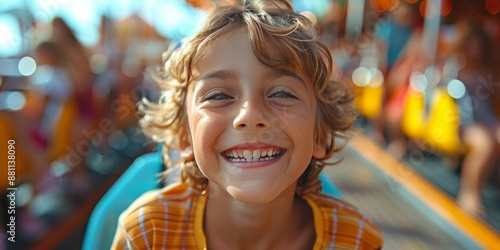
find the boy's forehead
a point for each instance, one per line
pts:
(216, 50)
(238, 40)
(233, 37)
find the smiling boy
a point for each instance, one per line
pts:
(250, 104)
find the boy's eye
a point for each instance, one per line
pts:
(283, 93)
(216, 96)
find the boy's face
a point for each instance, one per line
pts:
(251, 127)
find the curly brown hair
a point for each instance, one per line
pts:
(281, 39)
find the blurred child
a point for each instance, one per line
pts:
(482, 135)
(53, 81)
(79, 62)
(250, 103)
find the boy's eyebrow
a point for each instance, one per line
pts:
(225, 74)
(281, 73)
(219, 74)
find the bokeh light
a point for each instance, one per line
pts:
(492, 6)
(384, 5)
(361, 76)
(456, 88)
(310, 16)
(446, 7)
(377, 78)
(27, 66)
(13, 100)
(24, 194)
(433, 75)
(418, 82)
(432, 10)
(320, 8)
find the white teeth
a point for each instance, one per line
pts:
(252, 155)
(247, 155)
(256, 154)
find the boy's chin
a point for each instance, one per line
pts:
(254, 195)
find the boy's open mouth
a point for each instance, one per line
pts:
(253, 155)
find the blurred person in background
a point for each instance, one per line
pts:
(79, 62)
(50, 96)
(105, 62)
(52, 84)
(394, 31)
(482, 135)
(139, 46)
(397, 37)
(398, 64)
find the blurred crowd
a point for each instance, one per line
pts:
(428, 81)
(424, 81)
(74, 118)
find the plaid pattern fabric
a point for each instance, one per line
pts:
(340, 225)
(172, 218)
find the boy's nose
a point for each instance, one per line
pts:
(251, 116)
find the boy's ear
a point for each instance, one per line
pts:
(186, 148)
(319, 147)
(319, 151)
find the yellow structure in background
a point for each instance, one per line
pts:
(368, 84)
(63, 131)
(413, 116)
(438, 128)
(369, 100)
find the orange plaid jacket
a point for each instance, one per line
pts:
(172, 218)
